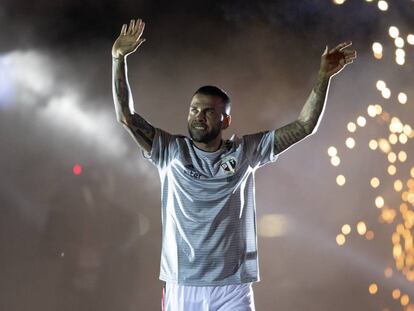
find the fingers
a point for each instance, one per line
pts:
(137, 25)
(136, 28)
(131, 27)
(341, 46)
(348, 58)
(124, 29)
(350, 55)
(141, 28)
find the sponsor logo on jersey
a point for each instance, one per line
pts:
(191, 171)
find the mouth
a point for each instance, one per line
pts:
(199, 127)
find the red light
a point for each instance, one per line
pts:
(77, 169)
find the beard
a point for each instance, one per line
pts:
(204, 136)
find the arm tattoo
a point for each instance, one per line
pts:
(315, 104)
(289, 134)
(120, 87)
(141, 130)
(308, 119)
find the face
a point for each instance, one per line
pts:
(206, 118)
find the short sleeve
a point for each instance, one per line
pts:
(162, 149)
(259, 148)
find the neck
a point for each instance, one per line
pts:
(211, 146)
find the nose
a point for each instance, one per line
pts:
(200, 116)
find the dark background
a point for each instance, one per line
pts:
(92, 241)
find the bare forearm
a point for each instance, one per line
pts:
(313, 109)
(121, 90)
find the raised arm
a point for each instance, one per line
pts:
(332, 62)
(128, 42)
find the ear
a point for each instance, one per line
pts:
(226, 122)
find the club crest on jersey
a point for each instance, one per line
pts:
(229, 165)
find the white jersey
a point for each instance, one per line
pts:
(208, 208)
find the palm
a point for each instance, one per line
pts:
(335, 60)
(129, 39)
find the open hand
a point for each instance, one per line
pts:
(334, 60)
(129, 39)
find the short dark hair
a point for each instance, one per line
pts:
(216, 91)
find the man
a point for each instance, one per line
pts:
(209, 242)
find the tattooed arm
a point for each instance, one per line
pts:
(128, 42)
(332, 62)
(305, 125)
(139, 129)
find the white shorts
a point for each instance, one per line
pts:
(208, 298)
